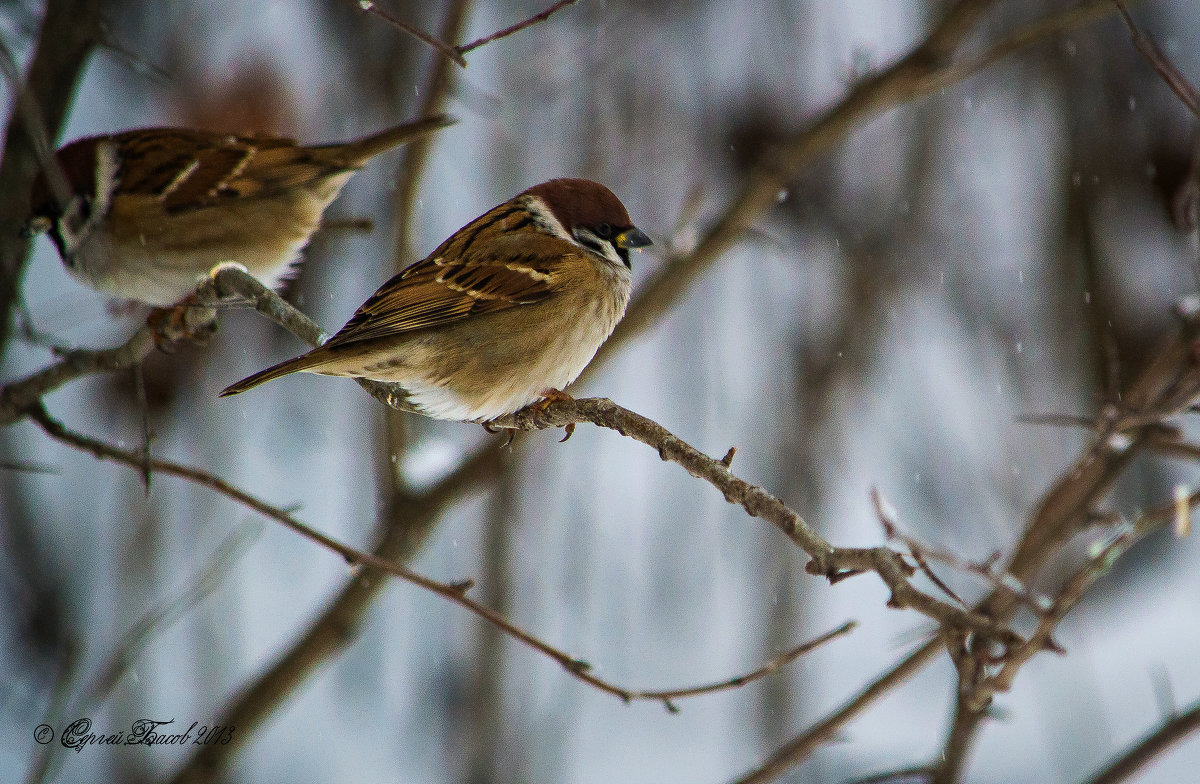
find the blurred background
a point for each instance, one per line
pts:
(1003, 247)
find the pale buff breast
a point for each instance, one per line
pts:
(503, 361)
(162, 265)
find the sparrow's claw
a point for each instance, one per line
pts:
(512, 432)
(556, 396)
(552, 395)
(185, 321)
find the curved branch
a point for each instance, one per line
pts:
(741, 680)
(1154, 744)
(17, 397)
(834, 563)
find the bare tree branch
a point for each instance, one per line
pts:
(1161, 63)
(928, 69)
(516, 28)
(338, 626)
(833, 563)
(445, 49)
(17, 397)
(1167, 386)
(735, 683)
(921, 551)
(1148, 748)
(455, 53)
(797, 749)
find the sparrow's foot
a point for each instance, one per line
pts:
(556, 396)
(538, 406)
(185, 322)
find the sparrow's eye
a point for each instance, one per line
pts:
(604, 231)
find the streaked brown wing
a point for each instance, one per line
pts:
(494, 275)
(185, 170)
(277, 168)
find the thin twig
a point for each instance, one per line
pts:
(410, 516)
(519, 26)
(1058, 420)
(921, 551)
(455, 53)
(1148, 748)
(824, 730)
(1161, 64)
(442, 47)
(741, 680)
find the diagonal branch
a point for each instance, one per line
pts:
(541, 16)
(1148, 748)
(927, 70)
(1161, 64)
(833, 563)
(443, 48)
(455, 53)
(797, 749)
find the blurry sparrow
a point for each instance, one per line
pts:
(149, 212)
(508, 310)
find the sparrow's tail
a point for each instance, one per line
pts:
(357, 152)
(302, 362)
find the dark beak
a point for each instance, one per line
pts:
(35, 226)
(632, 237)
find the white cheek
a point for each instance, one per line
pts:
(108, 163)
(545, 219)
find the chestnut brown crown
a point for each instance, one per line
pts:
(591, 214)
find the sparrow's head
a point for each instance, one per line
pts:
(67, 204)
(587, 214)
